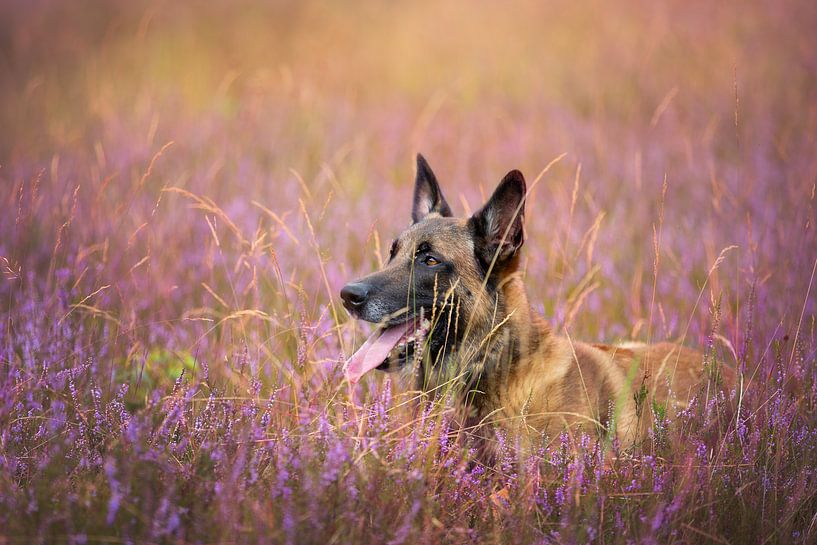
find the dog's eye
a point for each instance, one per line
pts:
(393, 250)
(431, 261)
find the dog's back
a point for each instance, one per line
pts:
(547, 382)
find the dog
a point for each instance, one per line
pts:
(452, 313)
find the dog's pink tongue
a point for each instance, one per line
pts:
(373, 352)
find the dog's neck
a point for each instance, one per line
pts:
(491, 351)
(520, 315)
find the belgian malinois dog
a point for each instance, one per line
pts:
(452, 313)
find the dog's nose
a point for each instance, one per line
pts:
(354, 295)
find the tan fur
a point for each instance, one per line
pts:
(556, 383)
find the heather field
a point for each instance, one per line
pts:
(186, 186)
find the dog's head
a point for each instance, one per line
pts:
(441, 283)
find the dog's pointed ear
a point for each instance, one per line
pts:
(428, 197)
(498, 227)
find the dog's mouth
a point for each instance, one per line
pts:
(401, 339)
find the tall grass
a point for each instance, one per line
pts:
(185, 188)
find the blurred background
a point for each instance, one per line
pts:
(293, 126)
